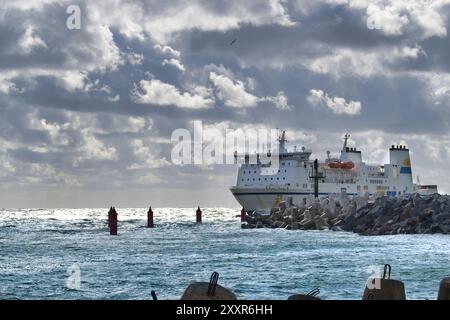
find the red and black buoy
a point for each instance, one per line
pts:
(199, 215)
(150, 223)
(113, 222)
(243, 215)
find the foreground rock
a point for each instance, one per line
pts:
(379, 215)
(199, 291)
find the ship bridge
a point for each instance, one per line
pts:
(283, 153)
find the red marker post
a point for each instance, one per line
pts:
(150, 223)
(109, 217)
(243, 215)
(199, 215)
(113, 222)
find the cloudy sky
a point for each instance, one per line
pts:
(87, 114)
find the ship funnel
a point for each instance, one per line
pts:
(399, 156)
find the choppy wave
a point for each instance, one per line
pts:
(39, 246)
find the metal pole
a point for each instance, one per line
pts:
(316, 178)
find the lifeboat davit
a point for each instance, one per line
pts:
(341, 165)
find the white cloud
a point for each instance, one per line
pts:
(167, 50)
(37, 5)
(350, 62)
(74, 80)
(122, 124)
(94, 149)
(6, 85)
(336, 104)
(108, 54)
(111, 123)
(431, 18)
(135, 59)
(115, 98)
(151, 179)
(280, 101)
(162, 20)
(38, 173)
(438, 86)
(54, 130)
(7, 166)
(172, 56)
(174, 62)
(387, 19)
(159, 93)
(232, 93)
(29, 41)
(395, 17)
(145, 157)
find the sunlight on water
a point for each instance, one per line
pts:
(38, 246)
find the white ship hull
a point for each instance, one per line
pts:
(258, 199)
(262, 200)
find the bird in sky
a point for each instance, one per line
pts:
(232, 42)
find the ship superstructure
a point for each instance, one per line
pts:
(294, 179)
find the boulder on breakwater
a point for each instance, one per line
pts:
(377, 215)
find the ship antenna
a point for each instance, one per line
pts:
(282, 141)
(346, 136)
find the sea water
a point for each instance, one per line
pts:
(69, 254)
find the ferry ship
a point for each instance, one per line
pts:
(299, 176)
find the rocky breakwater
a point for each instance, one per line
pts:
(378, 215)
(413, 215)
(311, 214)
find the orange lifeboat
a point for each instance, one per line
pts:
(334, 165)
(348, 165)
(341, 165)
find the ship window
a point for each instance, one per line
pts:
(278, 171)
(285, 170)
(253, 179)
(282, 163)
(248, 179)
(265, 179)
(278, 178)
(255, 171)
(243, 172)
(259, 179)
(271, 178)
(242, 179)
(284, 178)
